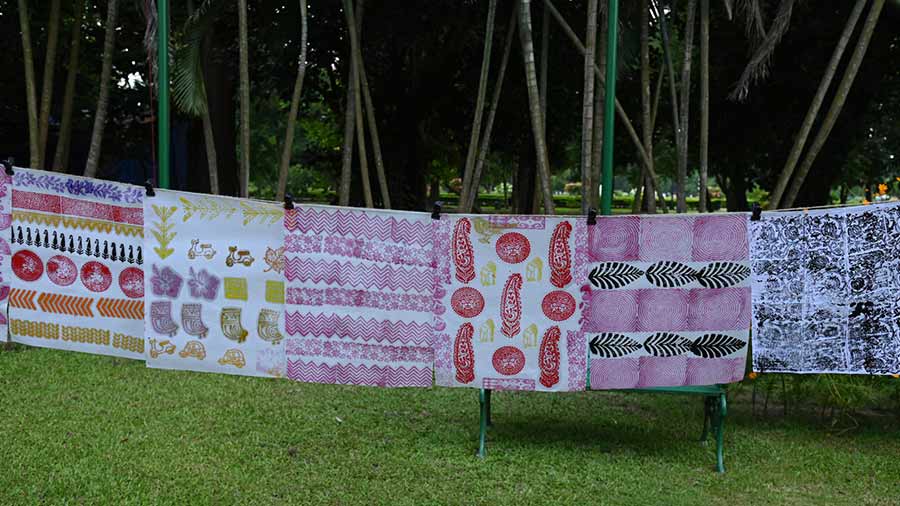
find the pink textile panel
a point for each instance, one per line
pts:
(666, 300)
(360, 299)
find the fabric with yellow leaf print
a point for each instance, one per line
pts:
(214, 284)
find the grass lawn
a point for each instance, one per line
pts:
(84, 429)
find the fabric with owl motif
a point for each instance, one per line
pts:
(214, 284)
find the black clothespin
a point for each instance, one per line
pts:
(757, 212)
(592, 216)
(436, 210)
(288, 201)
(8, 166)
(148, 185)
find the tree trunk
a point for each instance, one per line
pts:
(373, 128)
(28, 59)
(837, 102)
(93, 159)
(475, 134)
(349, 130)
(353, 29)
(47, 90)
(813, 111)
(684, 109)
(646, 120)
(60, 158)
(244, 174)
(545, 61)
(537, 121)
(492, 112)
(704, 103)
(599, 116)
(209, 142)
(587, 104)
(620, 111)
(285, 164)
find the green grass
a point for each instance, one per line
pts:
(84, 429)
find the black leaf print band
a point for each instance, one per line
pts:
(665, 344)
(668, 274)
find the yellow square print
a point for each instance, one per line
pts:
(275, 292)
(236, 288)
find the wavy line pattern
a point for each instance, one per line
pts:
(311, 372)
(348, 327)
(363, 276)
(359, 224)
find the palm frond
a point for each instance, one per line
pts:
(758, 67)
(754, 23)
(188, 83)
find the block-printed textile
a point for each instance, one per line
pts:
(509, 290)
(215, 285)
(5, 268)
(360, 296)
(77, 262)
(667, 300)
(826, 291)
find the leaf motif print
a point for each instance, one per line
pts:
(722, 274)
(669, 274)
(612, 275)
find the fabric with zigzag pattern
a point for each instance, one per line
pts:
(360, 296)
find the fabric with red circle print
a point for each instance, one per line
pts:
(508, 360)
(131, 281)
(61, 270)
(95, 276)
(27, 265)
(467, 302)
(558, 305)
(513, 247)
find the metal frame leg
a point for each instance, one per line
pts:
(484, 400)
(719, 428)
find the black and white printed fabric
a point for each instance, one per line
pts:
(826, 290)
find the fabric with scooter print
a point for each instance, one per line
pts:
(214, 284)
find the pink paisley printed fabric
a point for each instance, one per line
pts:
(360, 296)
(509, 290)
(666, 300)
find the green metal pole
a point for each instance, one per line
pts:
(162, 86)
(609, 113)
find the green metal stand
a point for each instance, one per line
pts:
(162, 87)
(714, 411)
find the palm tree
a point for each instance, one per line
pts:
(49, 67)
(475, 134)
(646, 115)
(61, 156)
(244, 64)
(681, 182)
(28, 60)
(537, 122)
(587, 106)
(349, 124)
(295, 106)
(109, 41)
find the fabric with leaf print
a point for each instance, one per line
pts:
(216, 286)
(666, 301)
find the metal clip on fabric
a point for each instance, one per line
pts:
(592, 216)
(8, 166)
(148, 185)
(436, 210)
(288, 201)
(757, 212)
